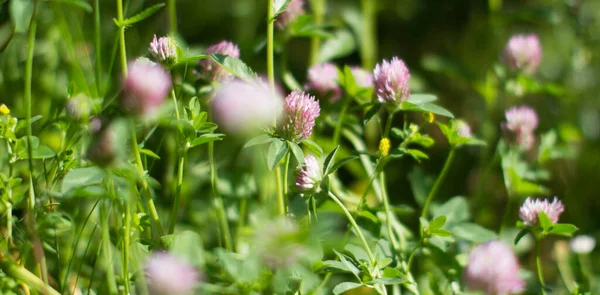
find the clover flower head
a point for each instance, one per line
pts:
(522, 122)
(523, 52)
(362, 78)
(168, 275)
(531, 208)
(582, 244)
(309, 177)
(163, 49)
(521, 119)
(493, 268)
(209, 69)
(391, 81)
(145, 87)
(243, 108)
(299, 113)
(323, 80)
(294, 9)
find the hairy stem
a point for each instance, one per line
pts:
(22, 274)
(355, 226)
(172, 17)
(98, 46)
(438, 183)
(218, 199)
(538, 263)
(339, 126)
(122, 49)
(107, 249)
(368, 44)
(318, 7)
(181, 164)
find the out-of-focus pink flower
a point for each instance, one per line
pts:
(523, 52)
(168, 275)
(242, 108)
(391, 81)
(294, 9)
(103, 149)
(299, 113)
(362, 78)
(323, 80)
(163, 49)
(531, 208)
(309, 177)
(462, 128)
(494, 269)
(522, 121)
(209, 69)
(145, 87)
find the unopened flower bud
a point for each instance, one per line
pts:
(163, 50)
(103, 148)
(391, 81)
(78, 107)
(4, 110)
(308, 178)
(462, 128)
(384, 147)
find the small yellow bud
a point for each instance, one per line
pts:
(4, 110)
(430, 117)
(384, 147)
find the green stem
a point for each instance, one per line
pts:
(122, 49)
(176, 201)
(355, 226)
(388, 212)
(175, 209)
(22, 274)
(286, 167)
(145, 186)
(438, 182)
(368, 44)
(280, 193)
(323, 283)
(270, 53)
(126, 238)
(27, 94)
(318, 7)
(338, 127)
(172, 17)
(107, 249)
(538, 263)
(98, 45)
(218, 199)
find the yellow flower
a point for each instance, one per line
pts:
(430, 117)
(384, 147)
(4, 110)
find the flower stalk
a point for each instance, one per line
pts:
(438, 182)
